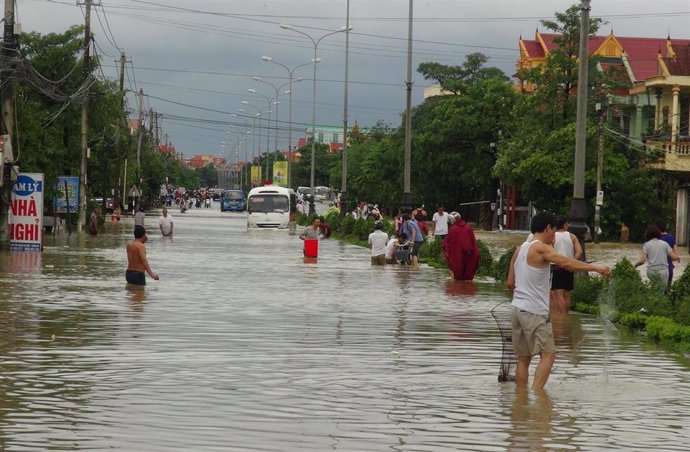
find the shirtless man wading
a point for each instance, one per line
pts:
(136, 258)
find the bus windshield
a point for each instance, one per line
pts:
(269, 203)
(233, 195)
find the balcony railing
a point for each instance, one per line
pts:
(669, 156)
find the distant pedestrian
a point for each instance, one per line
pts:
(139, 217)
(165, 223)
(313, 230)
(625, 232)
(562, 280)
(655, 252)
(441, 221)
(378, 241)
(137, 263)
(411, 229)
(325, 228)
(460, 249)
(391, 247)
(671, 240)
(93, 222)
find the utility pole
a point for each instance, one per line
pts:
(85, 117)
(343, 184)
(7, 125)
(118, 138)
(600, 161)
(140, 139)
(578, 213)
(407, 196)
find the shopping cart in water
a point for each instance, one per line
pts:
(501, 314)
(402, 254)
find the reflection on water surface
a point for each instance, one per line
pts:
(242, 345)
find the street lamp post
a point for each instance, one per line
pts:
(268, 59)
(277, 97)
(316, 42)
(268, 127)
(255, 152)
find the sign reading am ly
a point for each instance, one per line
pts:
(26, 222)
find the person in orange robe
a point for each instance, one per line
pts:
(460, 249)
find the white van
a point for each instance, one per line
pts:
(271, 207)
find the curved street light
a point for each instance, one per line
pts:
(276, 103)
(291, 72)
(315, 60)
(268, 127)
(255, 136)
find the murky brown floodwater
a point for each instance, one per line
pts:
(244, 346)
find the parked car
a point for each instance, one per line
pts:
(304, 191)
(321, 193)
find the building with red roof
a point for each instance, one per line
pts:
(656, 105)
(653, 111)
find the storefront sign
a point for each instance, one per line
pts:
(26, 222)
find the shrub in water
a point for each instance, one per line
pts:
(333, 220)
(486, 261)
(627, 288)
(500, 268)
(363, 228)
(635, 321)
(432, 254)
(587, 289)
(348, 224)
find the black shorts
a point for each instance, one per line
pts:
(415, 248)
(562, 279)
(135, 277)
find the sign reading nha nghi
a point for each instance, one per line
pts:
(26, 221)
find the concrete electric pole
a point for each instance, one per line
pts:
(7, 125)
(85, 117)
(119, 196)
(578, 212)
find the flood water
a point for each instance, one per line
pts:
(244, 346)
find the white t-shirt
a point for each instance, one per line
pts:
(564, 244)
(441, 223)
(166, 224)
(378, 241)
(390, 248)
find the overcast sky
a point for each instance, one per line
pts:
(203, 53)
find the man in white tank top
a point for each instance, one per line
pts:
(529, 279)
(562, 280)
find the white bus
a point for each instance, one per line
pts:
(271, 207)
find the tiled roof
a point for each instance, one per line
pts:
(593, 45)
(641, 53)
(534, 49)
(680, 65)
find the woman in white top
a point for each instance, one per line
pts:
(655, 252)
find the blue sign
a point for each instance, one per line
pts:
(67, 187)
(26, 185)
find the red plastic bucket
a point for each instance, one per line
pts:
(311, 248)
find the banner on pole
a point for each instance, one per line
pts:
(67, 189)
(26, 221)
(256, 175)
(280, 173)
